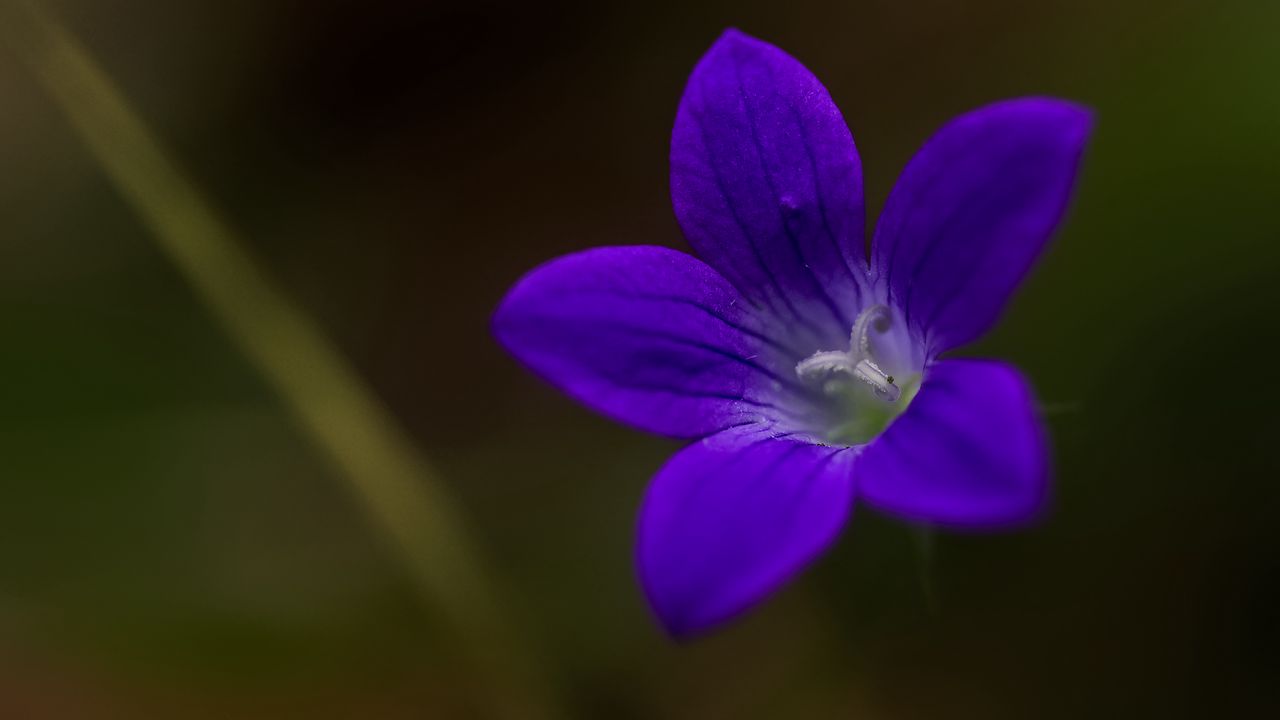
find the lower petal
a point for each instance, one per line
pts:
(733, 517)
(969, 451)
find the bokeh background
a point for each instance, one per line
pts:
(173, 545)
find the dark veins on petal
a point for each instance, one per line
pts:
(785, 381)
(747, 236)
(822, 203)
(779, 346)
(785, 217)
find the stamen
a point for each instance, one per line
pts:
(858, 361)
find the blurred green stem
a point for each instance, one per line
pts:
(924, 542)
(398, 488)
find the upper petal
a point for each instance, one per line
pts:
(733, 517)
(971, 212)
(767, 184)
(647, 335)
(968, 451)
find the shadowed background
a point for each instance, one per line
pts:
(172, 545)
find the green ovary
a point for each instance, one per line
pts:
(860, 416)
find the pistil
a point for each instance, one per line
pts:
(859, 362)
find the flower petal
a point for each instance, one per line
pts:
(733, 517)
(968, 451)
(973, 210)
(647, 335)
(767, 184)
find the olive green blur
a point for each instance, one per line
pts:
(177, 541)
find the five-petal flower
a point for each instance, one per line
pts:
(809, 375)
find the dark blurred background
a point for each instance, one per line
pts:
(172, 544)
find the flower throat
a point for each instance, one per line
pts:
(864, 398)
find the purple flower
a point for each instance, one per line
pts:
(809, 376)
